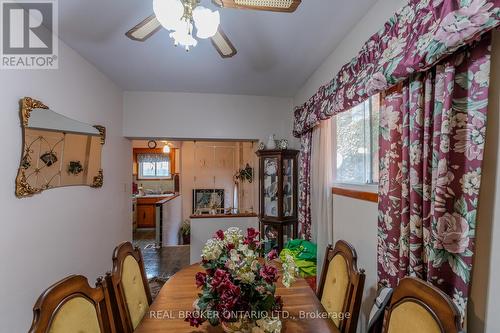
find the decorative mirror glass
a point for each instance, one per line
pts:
(57, 151)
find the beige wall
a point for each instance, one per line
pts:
(63, 231)
(356, 222)
(484, 308)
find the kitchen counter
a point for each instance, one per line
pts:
(146, 208)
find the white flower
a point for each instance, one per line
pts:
(230, 264)
(406, 15)
(394, 48)
(233, 235)
(425, 40)
(415, 153)
(233, 254)
(460, 301)
(444, 145)
(269, 325)
(243, 248)
(247, 277)
(212, 249)
(482, 77)
(389, 118)
(388, 222)
(289, 271)
(471, 182)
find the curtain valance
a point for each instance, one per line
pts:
(413, 40)
(153, 158)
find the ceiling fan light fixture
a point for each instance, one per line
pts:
(183, 35)
(168, 13)
(206, 21)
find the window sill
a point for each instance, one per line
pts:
(360, 192)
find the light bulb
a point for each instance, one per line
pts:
(206, 21)
(183, 36)
(166, 149)
(168, 13)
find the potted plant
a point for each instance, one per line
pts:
(237, 289)
(186, 231)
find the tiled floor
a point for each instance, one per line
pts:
(163, 262)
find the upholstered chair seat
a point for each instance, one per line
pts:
(130, 288)
(341, 286)
(134, 291)
(417, 306)
(72, 306)
(78, 315)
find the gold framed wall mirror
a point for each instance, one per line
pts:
(57, 151)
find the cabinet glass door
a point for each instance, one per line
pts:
(288, 190)
(270, 238)
(271, 186)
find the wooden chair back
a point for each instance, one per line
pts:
(354, 286)
(70, 304)
(124, 319)
(417, 305)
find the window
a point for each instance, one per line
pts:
(154, 166)
(356, 145)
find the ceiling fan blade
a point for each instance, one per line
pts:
(286, 6)
(223, 45)
(145, 29)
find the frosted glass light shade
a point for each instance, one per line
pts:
(183, 36)
(168, 13)
(206, 21)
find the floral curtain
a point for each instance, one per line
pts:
(431, 152)
(305, 185)
(413, 40)
(153, 158)
(417, 37)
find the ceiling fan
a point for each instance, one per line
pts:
(182, 16)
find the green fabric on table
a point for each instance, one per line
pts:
(304, 255)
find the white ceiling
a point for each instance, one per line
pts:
(277, 52)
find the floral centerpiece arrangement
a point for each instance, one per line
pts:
(238, 289)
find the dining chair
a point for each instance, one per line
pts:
(341, 286)
(418, 306)
(129, 287)
(73, 306)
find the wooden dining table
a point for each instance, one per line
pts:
(302, 311)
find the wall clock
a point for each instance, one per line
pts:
(152, 144)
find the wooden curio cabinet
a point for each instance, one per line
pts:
(278, 182)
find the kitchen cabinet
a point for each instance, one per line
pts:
(146, 215)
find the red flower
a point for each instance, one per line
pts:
(220, 276)
(269, 273)
(252, 233)
(201, 279)
(219, 234)
(230, 246)
(272, 255)
(251, 238)
(229, 296)
(194, 319)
